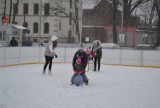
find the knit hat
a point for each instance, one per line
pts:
(53, 38)
(80, 53)
(78, 61)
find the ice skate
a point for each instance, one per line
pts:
(43, 73)
(50, 73)
(86, 82)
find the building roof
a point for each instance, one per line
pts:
(19, 27)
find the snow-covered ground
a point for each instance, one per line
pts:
(24, 86)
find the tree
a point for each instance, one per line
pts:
(4, 13)
(10, 11)
(157, 7)
(129, 7)
(154, 13)
(115, 4)
(14, 14)
(60, 11)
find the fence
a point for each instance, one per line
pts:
(22, 55)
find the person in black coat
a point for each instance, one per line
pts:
(84, 59)
(97, 52)
(13, 42)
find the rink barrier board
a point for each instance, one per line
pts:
(10, 56)
(70, 63)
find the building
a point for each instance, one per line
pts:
(94, 21)
(97, 24)
(45, 18)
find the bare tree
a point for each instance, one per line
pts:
(4, 13)
(60, 11)
(129, 7)
(10, 11)
(115, 4)
(16, 10)
(157, 7)
(153, 12)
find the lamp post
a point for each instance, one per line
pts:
(40, 23)
(122, 21)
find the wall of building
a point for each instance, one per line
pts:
(57, 25)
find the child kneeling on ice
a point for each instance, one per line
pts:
(78, 66)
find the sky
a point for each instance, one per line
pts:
(24, 86)
(89, 4)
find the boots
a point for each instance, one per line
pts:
(50, 72)
(43, 73)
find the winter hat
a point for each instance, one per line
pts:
(80, 53)
(53, 38)
(78, 61)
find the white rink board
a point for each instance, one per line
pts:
(18, 55)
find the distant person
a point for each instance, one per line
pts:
(50, 54)
(41, 42)
(13, 42)
(97, 54)
(29, 42)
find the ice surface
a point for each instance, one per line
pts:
(24, 86)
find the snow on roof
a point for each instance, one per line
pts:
(19, 27)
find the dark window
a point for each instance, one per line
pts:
(25, 8)
(2, 35)
(60, 25)
(35, 28)
(46, 9)
(46, 28)
(70, 19)
(15, 9)
(36, 9)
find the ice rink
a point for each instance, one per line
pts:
(23, 86)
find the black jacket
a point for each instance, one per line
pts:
(98, 53)
(13, 42)
(84, 59)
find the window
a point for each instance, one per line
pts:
(46, 28)
(60, 26)
(46, 9)
(2, 35)
(35, 27)
(25, 8)
(36, 8)
(70, 19)
(15, 9)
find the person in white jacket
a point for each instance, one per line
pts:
(50, 54)
(97, 52)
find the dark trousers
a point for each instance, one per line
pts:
(97, 60)
(48, 61)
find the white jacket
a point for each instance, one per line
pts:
(49, 51)
(96, 45)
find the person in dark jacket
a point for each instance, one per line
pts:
(50, 54)
(97, 54)
(29, 42)
(79, 64)
(13, 42)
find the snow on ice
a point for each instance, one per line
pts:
(24, 86)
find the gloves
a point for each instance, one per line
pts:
(56, 56)
(75, 72)
(93, 55)
(80, 72)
